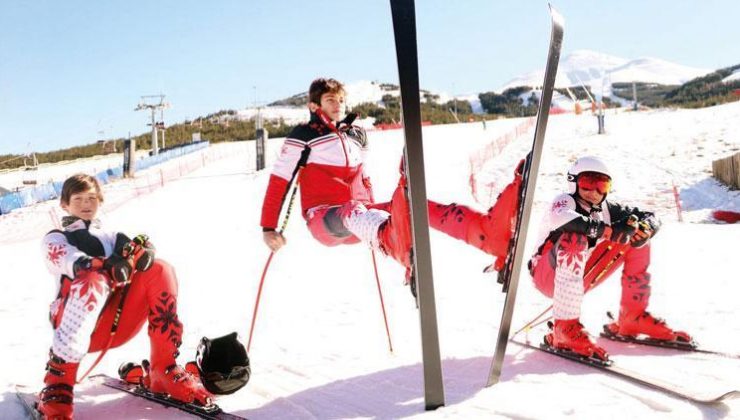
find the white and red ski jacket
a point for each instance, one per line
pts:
(566, 215)
(332, 174)
(80, 238)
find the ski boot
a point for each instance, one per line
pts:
(182, 384)
(179, 384)
(395, 233)
(500, 222)
(634, 323)
(56, 400)
(136, 373)
(568, 334)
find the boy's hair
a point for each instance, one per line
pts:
(321, 86)
(80, 183)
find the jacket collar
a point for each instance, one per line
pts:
(72, 223)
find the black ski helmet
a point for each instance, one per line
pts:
(223, 364)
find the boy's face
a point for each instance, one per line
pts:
(83, 204)
(333, 105)
(593, 197)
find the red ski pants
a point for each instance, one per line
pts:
(635, 277)
(490, 232)
(153, 294)
(460, 222)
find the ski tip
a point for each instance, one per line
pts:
(732, 395)
(556, 16)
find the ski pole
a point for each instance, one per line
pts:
(269, 259)
(382, 305)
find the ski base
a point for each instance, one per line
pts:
(639, 378)
(647, 341)
(29, 401)
(690, 346)
(509, 276)
(212, 411)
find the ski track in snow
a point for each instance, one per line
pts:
(320, 350)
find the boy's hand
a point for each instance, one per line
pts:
(87, 264)
(119, 269)
(273, 239)
(621, 232)
(142, 253)
(647, 228)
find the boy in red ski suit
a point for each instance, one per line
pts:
(94, 270)
(328, 155)
(578, 228)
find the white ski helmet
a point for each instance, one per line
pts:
(585, 164)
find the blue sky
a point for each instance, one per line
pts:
(69, 70)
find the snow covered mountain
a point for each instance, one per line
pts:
(593, 69)
(731, 78)
(582, 67)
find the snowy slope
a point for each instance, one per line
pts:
(320, 351)
(733, 77)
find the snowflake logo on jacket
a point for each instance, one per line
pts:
(55, 253)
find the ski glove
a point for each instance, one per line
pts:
(120, 266)
(646, 229)
(623, 229)
(119, 269)
(86, 264)
(142, 252)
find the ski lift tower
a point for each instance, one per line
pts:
(153, 107)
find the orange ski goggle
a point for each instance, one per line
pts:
(594, 181)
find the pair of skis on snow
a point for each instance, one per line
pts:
(612, 367)
(211, 412)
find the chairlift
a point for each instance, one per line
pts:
(30, 171)
(30, 175)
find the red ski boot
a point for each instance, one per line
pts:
(179, 384)
(395, 233)
(633, 323)
(165, 334)
(498, 225)
(182, 384)
(568, 334)
(57, 398)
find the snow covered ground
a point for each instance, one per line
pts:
(320, 351)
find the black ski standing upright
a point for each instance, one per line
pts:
(404, 30)
(509, 276)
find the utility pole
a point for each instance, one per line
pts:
(153, 107)
(261, 134)
(454, 97)
(600, 113)
(634, 97)
(161, 126)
